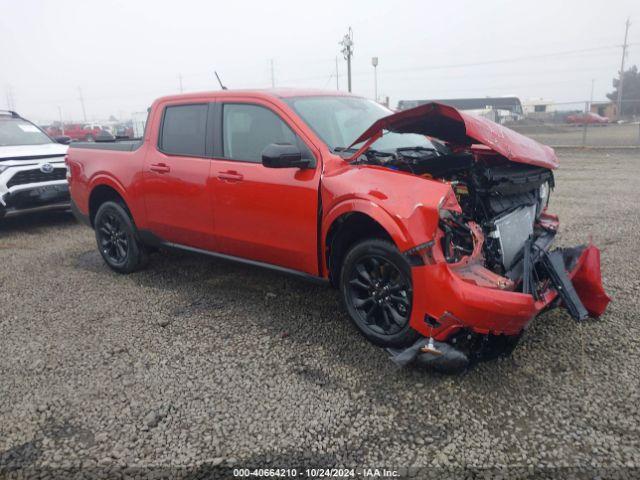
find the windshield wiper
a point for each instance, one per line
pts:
(354, 150)
(343, 149)
(417, 149)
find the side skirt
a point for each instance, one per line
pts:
(151, 239)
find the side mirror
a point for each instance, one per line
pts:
(63, 139)
(283, 155)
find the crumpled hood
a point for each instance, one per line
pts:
(18, 152)
(458, 128)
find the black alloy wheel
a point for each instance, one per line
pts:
(113, 239)
(117, 238)
(377, 290)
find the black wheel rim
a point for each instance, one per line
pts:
(113, 238)
(380, 293)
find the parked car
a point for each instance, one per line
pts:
(588, 118)
(441, 247)
(124, 131)
(87, 132)
(32, 168)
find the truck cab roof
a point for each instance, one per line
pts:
(267, 93)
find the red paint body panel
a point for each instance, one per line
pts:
(459, 304)
(588, 282)
(283, 216)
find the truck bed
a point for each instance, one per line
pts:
(118, 145)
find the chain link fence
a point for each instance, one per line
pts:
(578, 124)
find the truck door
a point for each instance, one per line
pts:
(175, 178)
(264, 214)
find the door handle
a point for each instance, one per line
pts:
(230, 176)
(160, 167)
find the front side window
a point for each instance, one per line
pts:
(15, 131)
(248, 129)
(183, 130)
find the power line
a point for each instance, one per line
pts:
(504, 60)
(476, 64)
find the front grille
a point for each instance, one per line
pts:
(36, 176)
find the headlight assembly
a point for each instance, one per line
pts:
(543, 197)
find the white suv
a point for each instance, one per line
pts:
(33, 175)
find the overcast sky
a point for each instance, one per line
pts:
(125, 53)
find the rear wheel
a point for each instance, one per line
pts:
(117, 240)
(376, 287)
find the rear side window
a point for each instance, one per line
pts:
(248, 129)
(183, 130)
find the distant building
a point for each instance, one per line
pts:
(605, 109)
(498, 109)
(538, 106)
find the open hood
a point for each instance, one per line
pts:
(458, 128)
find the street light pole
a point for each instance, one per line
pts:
(347, 51)
(624, 54)
(374, 62)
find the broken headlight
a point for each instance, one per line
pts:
(544, 191)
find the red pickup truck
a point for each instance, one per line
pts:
(431, 222)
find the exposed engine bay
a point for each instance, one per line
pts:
(493, 232)
(506, 199)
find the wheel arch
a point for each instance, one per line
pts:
(350, 223)
(102, 192)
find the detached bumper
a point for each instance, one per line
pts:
(444, 303)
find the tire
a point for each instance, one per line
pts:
(117, 239)
(376, 288)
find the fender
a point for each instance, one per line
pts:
(405, 232)
(367, 207)
(104, 178)
(406, 206)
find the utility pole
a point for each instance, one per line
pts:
(585, 124)
(9, 95)
(347, 51)
(273, 76)
(60, 118)
(337, 76)
(624, 54)
(84, 112)
(374, 62)
(180, 81)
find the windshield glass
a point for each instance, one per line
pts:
(15, 131)
(338, 121)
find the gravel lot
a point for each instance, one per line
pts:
(197, 362)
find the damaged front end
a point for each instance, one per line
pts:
(490, 268)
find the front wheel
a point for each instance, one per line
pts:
(117, 239)
(376, 288)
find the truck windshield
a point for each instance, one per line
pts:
(15, 131)
(338, 121)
